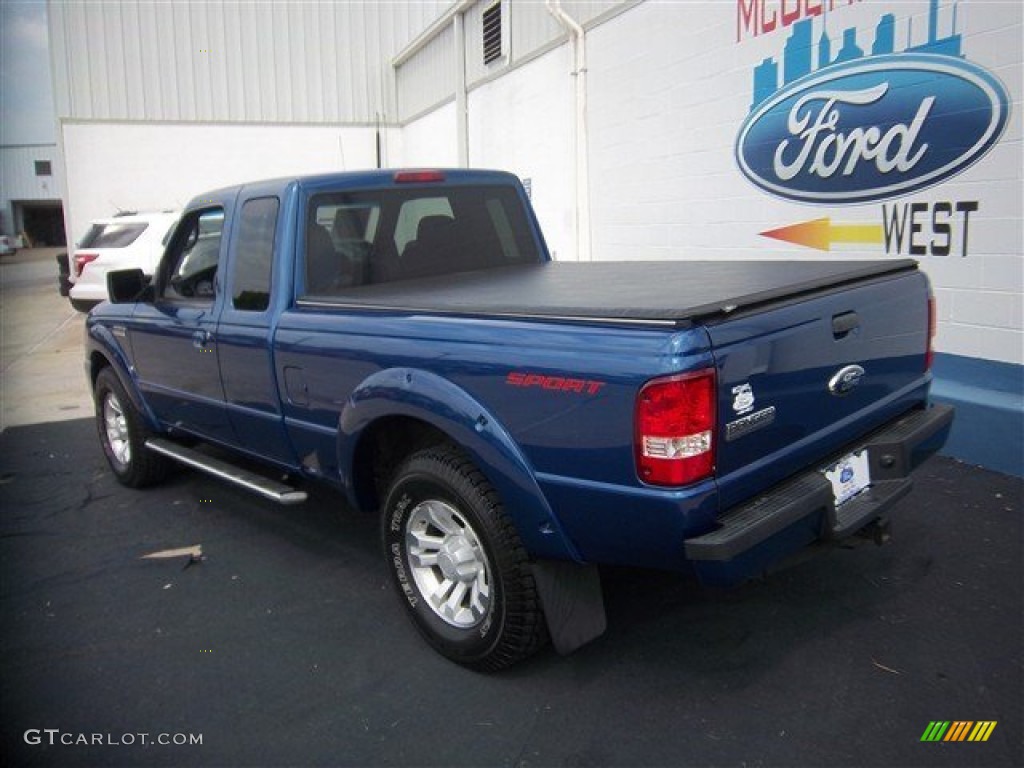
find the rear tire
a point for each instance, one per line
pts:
(123, 434)
(457, 563)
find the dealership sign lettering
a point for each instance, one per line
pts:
(872, 129)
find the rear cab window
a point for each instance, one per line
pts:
(360, 238)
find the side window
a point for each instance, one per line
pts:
(254, 254)
(192, 259)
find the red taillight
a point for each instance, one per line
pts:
(675, 429)
(81, 259)
(929, 355)
(418, 177)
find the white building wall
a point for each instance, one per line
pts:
(430, 140)
(141, 166)
(670, 87)
(523, 122)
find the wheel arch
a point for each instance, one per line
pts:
(422, 408)
(104, 351)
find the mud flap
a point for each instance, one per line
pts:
(573, 602)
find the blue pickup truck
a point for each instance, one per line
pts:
(514, 421)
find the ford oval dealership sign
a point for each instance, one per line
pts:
(872, 128)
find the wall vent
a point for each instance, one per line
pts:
(492, 33)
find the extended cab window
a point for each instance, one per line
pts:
(373, 237)
(254, 254)
(191, 266)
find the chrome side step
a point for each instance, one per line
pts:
(268, 489)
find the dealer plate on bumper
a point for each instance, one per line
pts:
(849, 476)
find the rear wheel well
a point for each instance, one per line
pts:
(386, 444)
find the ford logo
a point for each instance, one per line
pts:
(872, 128)
(845, 379)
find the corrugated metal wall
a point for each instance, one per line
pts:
(18, 179)
(275, 61)
(217, 61)
(426, 79)
(531, 29)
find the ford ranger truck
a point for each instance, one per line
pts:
(514, 421)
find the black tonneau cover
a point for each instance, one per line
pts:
(649, 292)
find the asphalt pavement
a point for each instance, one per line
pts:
(283, 644)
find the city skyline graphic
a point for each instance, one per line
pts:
(798, 53)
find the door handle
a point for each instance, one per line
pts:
(844, 323)
(201, 338)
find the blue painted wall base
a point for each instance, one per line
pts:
(989, 400)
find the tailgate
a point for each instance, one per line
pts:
(798, 381)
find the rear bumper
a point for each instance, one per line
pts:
(89, 288)
(802, 509)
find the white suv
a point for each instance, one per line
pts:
(125, 241)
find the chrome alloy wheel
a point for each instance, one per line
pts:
(448, 563)
(117, 429)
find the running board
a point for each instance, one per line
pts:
(269, 489)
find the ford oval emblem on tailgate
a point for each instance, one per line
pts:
(845, 379)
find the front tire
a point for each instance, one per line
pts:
(123, 435)
(457, 563)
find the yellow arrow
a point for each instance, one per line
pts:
(822, 233)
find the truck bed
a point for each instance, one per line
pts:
(639, 292)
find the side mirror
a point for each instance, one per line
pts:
(127, 286)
